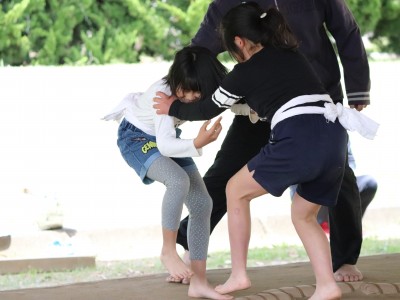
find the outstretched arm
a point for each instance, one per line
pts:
(202, 110)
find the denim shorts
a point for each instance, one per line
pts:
(139, 150)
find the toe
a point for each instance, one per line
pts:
(173, 279)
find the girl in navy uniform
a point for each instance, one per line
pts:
(307, 145)
(311, 21)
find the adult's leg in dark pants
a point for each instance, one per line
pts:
(367, 186)
(346, 227)
(242, 141)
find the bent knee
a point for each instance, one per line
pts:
(179, 182)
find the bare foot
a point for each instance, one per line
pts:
(327, 292)
(348, 273)
(234, 284)
(172, 279)
(186, 260)
(175, 266)
(185, 280)
(204, 290)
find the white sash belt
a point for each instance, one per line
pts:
(351, 119)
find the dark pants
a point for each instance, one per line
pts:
(244, 140)
(367, 186)
(345, 226)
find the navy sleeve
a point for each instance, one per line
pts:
(344, 29)
(208, 34)
(202, 110)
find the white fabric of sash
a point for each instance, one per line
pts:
(351, 119)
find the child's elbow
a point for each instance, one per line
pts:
(163, 149)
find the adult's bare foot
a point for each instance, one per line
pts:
(175, 266)
(234, 284)
(348, 273)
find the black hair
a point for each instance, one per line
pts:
(195, 69)
(248, 20)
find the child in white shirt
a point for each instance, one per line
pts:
(151, 145)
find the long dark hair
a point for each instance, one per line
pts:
(248, 20)
(195, 69)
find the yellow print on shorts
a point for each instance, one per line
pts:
(148, 146)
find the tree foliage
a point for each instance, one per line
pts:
(366, 13)
(386, 33)
(56, 32)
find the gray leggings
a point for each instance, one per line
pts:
(184, 186)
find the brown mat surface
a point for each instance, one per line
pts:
(291, 281)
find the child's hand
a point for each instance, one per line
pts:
(358, 107)
(163, 103)
(207, 136)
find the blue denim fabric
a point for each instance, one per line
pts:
(139, 150)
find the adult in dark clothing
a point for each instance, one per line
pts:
(308, 20)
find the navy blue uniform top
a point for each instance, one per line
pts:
(266, 81)
(307, 19)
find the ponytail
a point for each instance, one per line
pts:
(248, 20)
(276, 31)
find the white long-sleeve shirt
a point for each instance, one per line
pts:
(137, 108)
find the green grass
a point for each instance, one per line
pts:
(278, 254)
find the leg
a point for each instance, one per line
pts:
(304, 218)
(199, 205)
(177, 189)
(199, 286)
(323, 213)
(242, 141)
(241, 189)
(346, 229)
(367, 186)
